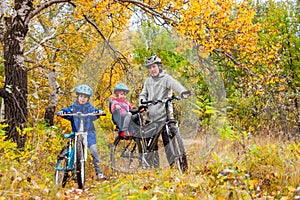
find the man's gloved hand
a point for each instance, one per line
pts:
(143, 108)
(185, 94)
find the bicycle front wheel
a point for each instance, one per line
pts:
(178, 151)
(61, 173)
(80, 164)
(126, 155)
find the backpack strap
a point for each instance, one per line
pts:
(109, 104)
(112, 116)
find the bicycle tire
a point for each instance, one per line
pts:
(183, 157)
(178, 151)
(126, 155)
(80, 164)
(61, 173)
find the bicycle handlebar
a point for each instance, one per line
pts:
(80, 114)
(166, 100)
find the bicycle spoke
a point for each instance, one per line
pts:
(126, 155)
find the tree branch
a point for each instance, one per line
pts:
(40, 43)
(148, 9)
(228, 56)
(42, 7)
(106, 41)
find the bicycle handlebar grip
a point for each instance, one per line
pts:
(61, 113)
(143, 102)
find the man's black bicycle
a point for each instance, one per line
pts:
(140, 151)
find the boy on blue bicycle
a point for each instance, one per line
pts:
(83, 105)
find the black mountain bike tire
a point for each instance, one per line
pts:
(80, 164)
(126, 155)
(179, 153)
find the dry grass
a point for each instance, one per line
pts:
(254, 168)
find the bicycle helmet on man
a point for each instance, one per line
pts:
(153, 60)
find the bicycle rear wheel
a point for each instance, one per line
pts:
(80, 164)
(61, 173)
(126, 155)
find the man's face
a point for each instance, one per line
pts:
(153, 70)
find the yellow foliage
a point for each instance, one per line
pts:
(282, 88)
(214, 25)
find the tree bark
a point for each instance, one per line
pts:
(13, 31)
(53, 99)
(15, 99)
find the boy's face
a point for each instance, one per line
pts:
(83, 99)
(153, 70)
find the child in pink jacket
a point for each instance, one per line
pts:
(120, 109)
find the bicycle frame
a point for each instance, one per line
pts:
(70, 152)
(82, 133)
(156, 127)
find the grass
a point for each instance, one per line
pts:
(260, 167)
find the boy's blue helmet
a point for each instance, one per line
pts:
(121, 87)
(84, 89)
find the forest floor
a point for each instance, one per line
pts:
(259, 167)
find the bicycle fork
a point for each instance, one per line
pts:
(84, 140)
(84, 144)
(172, 130)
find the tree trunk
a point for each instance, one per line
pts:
(16, 73)
(12, 35)
(53, 99)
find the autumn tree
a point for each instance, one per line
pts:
(278, 66)
(16, 19)
(223, 29)
(14, 27)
